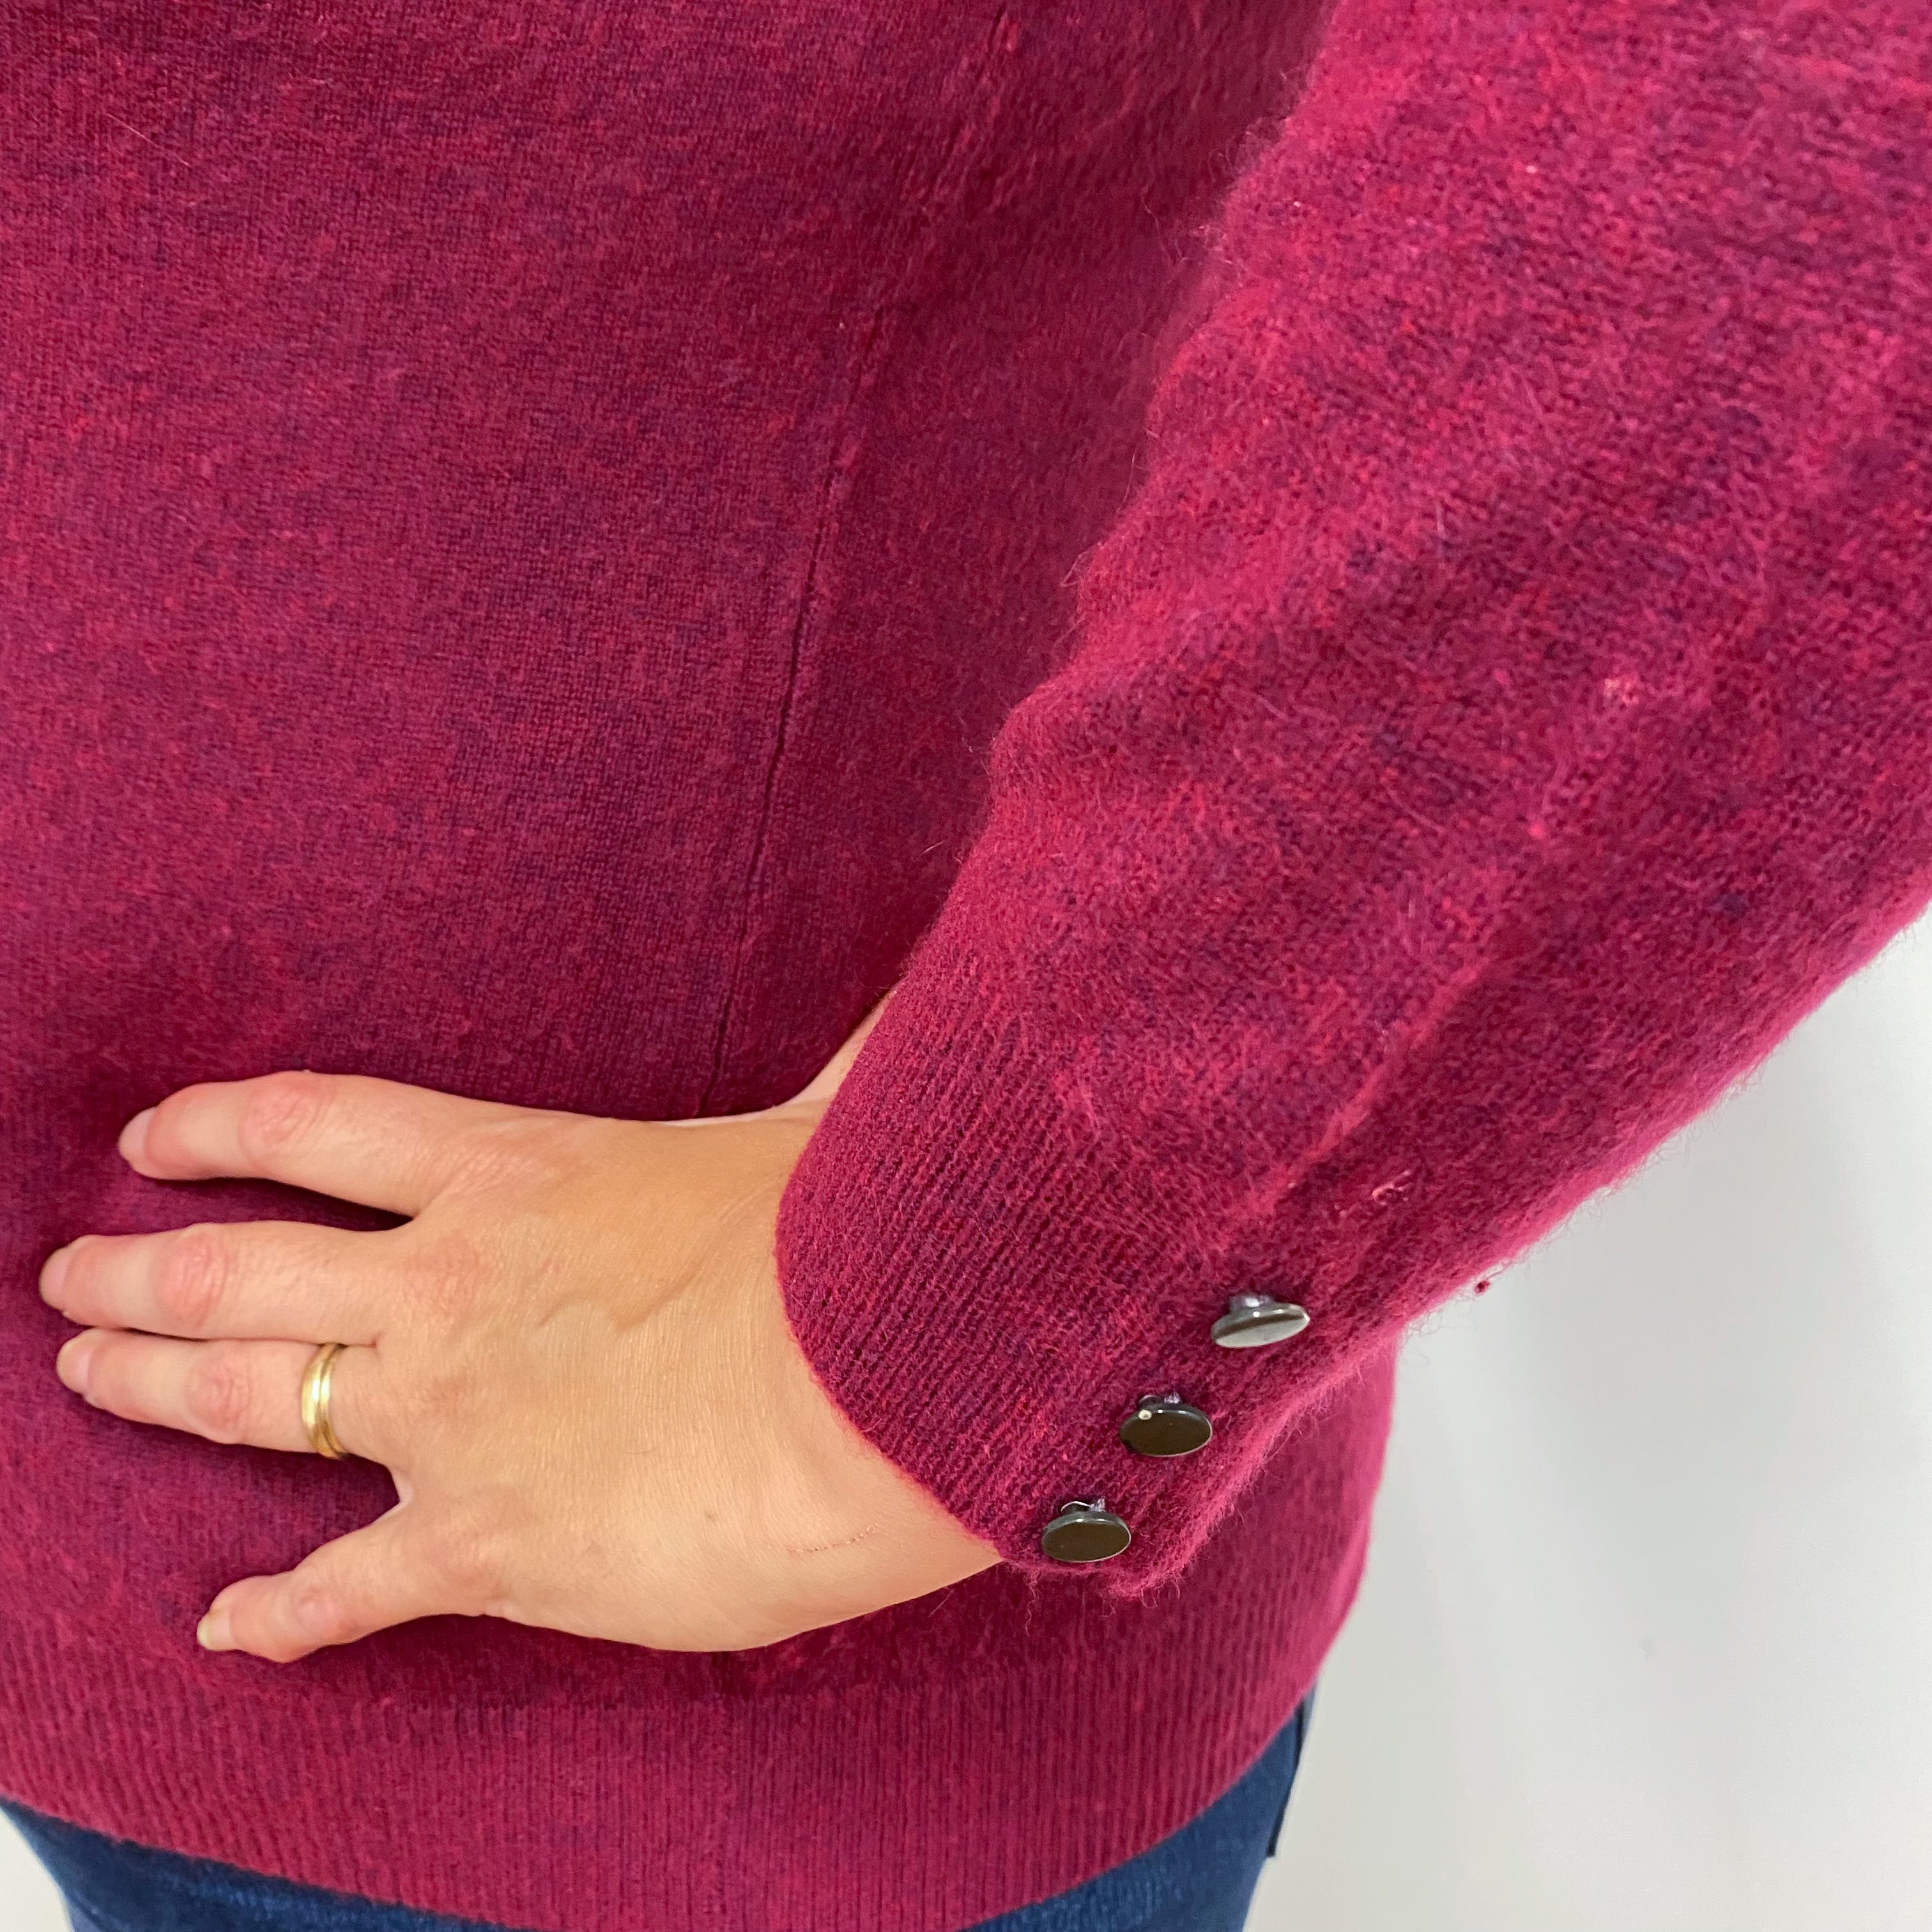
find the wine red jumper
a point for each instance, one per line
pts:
(1354, 670)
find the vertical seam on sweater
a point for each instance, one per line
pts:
(986, 91)
(1596, 768)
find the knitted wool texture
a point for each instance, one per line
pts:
(1504, 709)
(1352, 672)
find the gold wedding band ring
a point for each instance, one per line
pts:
(316, 1382)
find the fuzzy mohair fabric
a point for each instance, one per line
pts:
(1504, 709)
(1340, 605)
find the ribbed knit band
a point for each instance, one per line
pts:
(988, 1336)
(769, 1812)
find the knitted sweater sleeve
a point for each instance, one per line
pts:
(1503, 710)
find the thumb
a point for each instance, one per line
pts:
(831, 1076)
(402, 1566)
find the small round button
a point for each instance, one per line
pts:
(1085, 1533)
(1254, 1320)
(1164, 1425)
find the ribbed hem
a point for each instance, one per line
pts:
(920, 1806)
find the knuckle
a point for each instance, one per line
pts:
(316, 1614)
(281, 1110)
(523, 1156)
(218, 1393)
(191, 1278)
(444, 1276)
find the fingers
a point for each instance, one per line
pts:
(260, 1280)
(405, 1564)
(228, 1391)
(375, 1142)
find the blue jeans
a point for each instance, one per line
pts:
(1200, 1879)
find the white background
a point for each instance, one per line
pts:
(1646, 1641)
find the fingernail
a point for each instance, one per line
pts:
(53, 1272)
(213, 1632)
(70, 1364)
(134, 1135)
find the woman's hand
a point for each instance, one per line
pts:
(573, 1358)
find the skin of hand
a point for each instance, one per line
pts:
(573, 1358)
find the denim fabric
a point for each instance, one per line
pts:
(1200, 1879)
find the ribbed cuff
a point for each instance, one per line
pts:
(987, 1292)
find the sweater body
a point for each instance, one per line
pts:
(520, 524)
(1351, 675)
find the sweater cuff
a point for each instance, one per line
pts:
(984, 1291)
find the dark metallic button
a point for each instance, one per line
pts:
(1085, 1533)
(1254, 1320)
(1164, 1425)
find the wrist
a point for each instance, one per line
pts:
(853, 1530)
